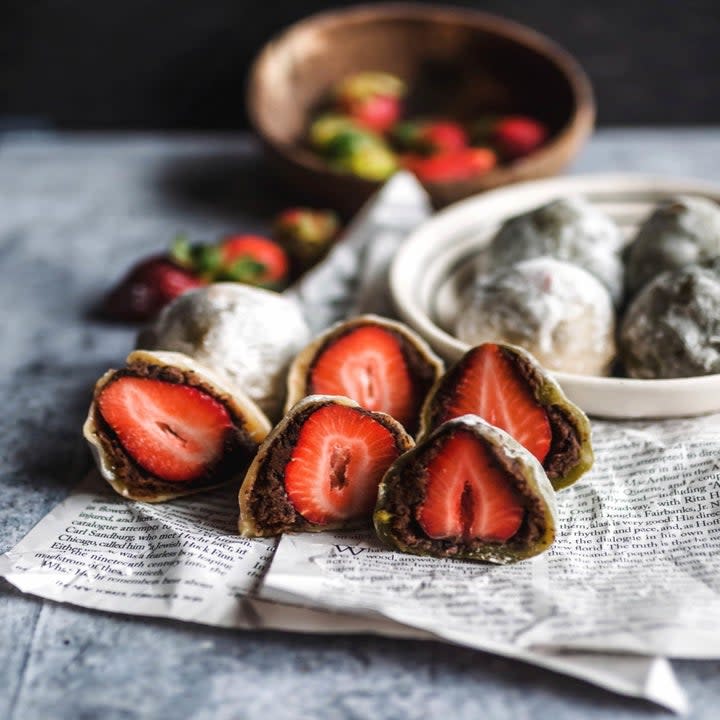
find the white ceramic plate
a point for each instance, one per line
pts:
(434, 265)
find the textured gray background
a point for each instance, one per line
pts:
(74, 212)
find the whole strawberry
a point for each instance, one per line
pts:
(147, 288)
(372, 99)
(444, 136)
(337, 135)
(348, 146)
(249, 259)
(378, 113)
(429, 137)
(517, 136)
(254, 260)
(306, 234)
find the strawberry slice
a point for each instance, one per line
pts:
(489, 386)
(368, 366)
(468, 496)
(175, 432)
(336, 466)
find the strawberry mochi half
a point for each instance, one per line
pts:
(468, 491)
(165, 426)
(319, 468)
(508, 388)
(381, 364)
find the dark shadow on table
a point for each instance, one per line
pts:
(232, 184)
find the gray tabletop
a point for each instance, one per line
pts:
(75, 211)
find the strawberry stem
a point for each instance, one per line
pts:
(208, 260)
(244, 269)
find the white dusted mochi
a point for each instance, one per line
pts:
(247, 334)
(568, 229)
(557, 311)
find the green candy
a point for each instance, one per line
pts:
(348, 143)
(375, 163)
(363, 85)
(337, 135)
(325, 128)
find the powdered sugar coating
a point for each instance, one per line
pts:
(557, 311)
(569, 229)
(245, 333)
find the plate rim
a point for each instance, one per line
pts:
(452, 220)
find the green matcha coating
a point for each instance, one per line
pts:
(680, 231)
(672, 327)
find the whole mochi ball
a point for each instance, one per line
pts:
(569, 229)
(248, 334)
(557, 311)
(680, 231)
(672, 328)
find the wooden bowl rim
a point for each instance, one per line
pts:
(577, 128)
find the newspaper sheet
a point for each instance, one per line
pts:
(635, 568)
(184, 560)
(181, 560)
(632, 571)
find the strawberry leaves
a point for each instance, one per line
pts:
(249, 259)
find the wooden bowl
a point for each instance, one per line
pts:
(459, 63)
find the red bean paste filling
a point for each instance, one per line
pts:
(269, 505)
(565, 448)
(406, 491)
(237, 451)
(422, 373)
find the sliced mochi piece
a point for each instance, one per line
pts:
(319, 469)
(468, 491)
(165, 426)
(381, 364)
(507, 387)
